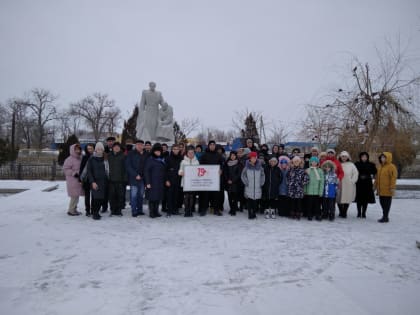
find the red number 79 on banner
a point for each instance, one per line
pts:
(201, 171)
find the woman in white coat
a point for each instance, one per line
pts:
(347, 192)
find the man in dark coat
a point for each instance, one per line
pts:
(154, 178)
(117, 179)
(173, 180)
(109, 143)
(212, 157)
(364, 186)
(135, 163)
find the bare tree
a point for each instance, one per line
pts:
(189, 125)
(322, 125)
(22, 122)
(358, 118)
(279, 133)
(41, 103)
(67, 124)
(98, 112)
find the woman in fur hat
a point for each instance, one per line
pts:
(347, 192)
(253, 178)
(98, 172)
(364, 186)
(154, 179)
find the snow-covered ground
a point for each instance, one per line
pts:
(51, 263)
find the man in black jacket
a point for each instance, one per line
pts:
(117, 179)
(135, 162)
(214, 198)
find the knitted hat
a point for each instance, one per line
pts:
(252, 154)
(331, 151)
(284, 159)
(345, 153)
(273, 159)
(296, 158)
(212, 142)
(314, 159)
(99, 145)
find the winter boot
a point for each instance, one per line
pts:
(272, 213)
(267, 213)
(364, 209)
(384, 218)
(95, 215)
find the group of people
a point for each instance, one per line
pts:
(270, 182)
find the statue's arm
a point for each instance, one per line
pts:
(142, 104)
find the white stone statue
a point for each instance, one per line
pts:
(148, 117)
(165, 129)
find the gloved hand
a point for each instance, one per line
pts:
(76, 175)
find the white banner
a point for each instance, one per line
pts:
(202, 178)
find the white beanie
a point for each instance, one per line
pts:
(345, 153)
(99, 145)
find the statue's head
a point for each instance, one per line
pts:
(164, 106)
(152, 86)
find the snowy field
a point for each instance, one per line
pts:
(51, 263)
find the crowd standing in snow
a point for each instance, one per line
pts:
(257, 181)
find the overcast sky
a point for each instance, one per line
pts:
(208, 58)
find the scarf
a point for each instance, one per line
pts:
(232, 162)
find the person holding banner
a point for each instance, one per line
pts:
(189, 196)
(253, 178)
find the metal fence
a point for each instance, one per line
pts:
(17, 170)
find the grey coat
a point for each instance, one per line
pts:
(253, 178)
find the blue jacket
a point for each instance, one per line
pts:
(283, 188)
(134, 164)
(330, 185)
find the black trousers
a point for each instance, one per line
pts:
(96, 205)
(106, 199)
(88, 197)
(189, 202)
(154, 208)
(210, 198)
(385, 203)
(328, 207)
(313, 206)
(116, 196)
(233, 198)
(172, 199)
(362, 208)
(296, 206)
(283, 205)
(252, 206)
